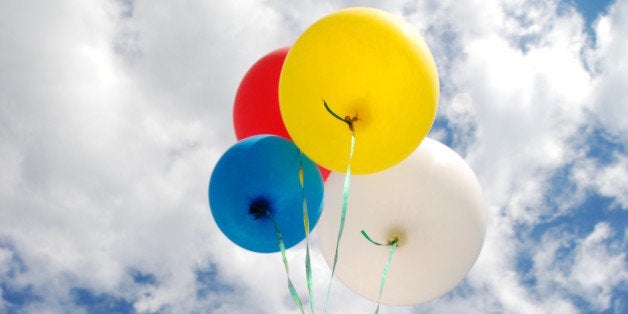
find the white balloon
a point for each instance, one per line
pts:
(431, 201)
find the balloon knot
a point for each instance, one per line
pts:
(259, 208)
(347, 119)
(350, 120)
(395, 240)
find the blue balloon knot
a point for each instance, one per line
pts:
(260, 207)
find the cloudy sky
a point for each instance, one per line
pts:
(113, 114)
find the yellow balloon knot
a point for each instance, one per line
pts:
(350, 120)
(347, 119)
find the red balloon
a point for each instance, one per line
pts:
(256, 105)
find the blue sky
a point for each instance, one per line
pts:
(113, 114)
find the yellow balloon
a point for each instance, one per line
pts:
(366, 64)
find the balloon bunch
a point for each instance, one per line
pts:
(357, 93)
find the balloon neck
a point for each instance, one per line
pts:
(260, 208)
(350, 120)
(347, 119)
(393, 241)
(397, 235)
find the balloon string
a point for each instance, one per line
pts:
(385, 274)
(282, 247)
(343, 214)
(306, 226)
(368, 238)
(393, 245)
(333, 113)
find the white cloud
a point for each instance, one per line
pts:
(608, 60)
(609, 180)
(525, 108)
(593, 272)
(597, 268)
(612, 181)
(100, 180)
(112, 118)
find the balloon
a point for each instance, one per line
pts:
(259, 174)
(256, 105)
(432, 202)
(366, 64)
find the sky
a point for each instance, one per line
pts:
(114, 113)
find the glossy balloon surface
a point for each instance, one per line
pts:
(256, 104)
(264, 170)
(366, 64)
(432, 202)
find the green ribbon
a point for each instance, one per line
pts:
(306, 226)
(331, 112)
(282, 247)
(393, 246)
(343, 214)
(345, 194)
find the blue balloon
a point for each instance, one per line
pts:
(258, 177)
